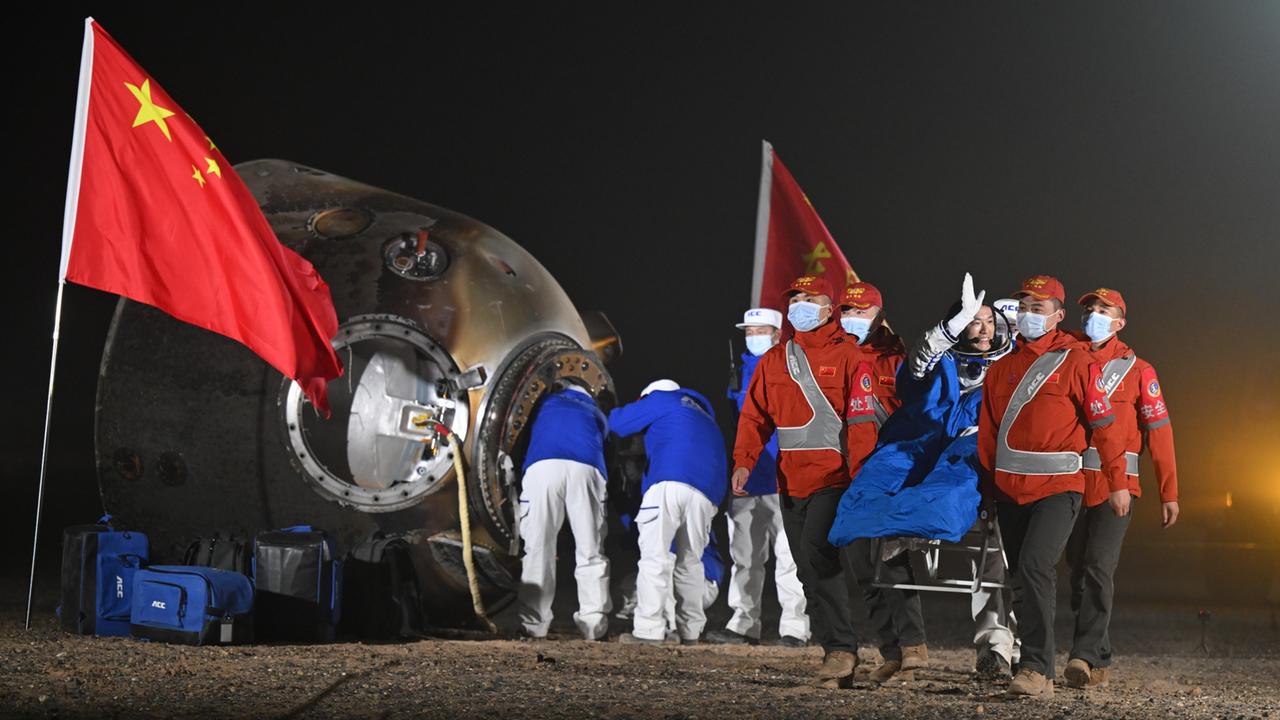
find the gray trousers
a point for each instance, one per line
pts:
(1035, 535)
(895, 616)
(1093, 552)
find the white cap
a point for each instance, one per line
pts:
(1007, 307)
(666, 385)
(759, 317)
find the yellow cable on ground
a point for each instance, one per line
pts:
(464, 519)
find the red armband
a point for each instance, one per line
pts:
(1151, 408)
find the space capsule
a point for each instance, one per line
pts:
(443, 320)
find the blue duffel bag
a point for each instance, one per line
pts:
(192, 605)
(98, 565)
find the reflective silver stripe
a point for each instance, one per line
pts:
(1112, 373)
(1091, 460)
(1115, 371)
(1159, 423)
(879, 414)
(824, 429)
(1024, 462)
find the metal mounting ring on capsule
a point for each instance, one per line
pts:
(345, 490)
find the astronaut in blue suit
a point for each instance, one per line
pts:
(922, 479)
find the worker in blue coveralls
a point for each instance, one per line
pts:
(755, 522)
(922, 479)
(564, 476)
(682, 489)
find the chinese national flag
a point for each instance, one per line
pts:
(791, 239)
(156, 213)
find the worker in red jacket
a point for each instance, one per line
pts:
(1038, 407)
(803, 388)
(1142, 418)
(894, 615)
(881, 352)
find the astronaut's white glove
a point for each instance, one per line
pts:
(924, 355)
(969, 306)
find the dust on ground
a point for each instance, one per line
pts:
(1163, 669)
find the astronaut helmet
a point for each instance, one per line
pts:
(971, 363)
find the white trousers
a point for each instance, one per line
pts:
(992, 609)
(755, 527)
(551, 491)
(628, 588)
(672, 511)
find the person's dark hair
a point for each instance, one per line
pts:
(1122, 312)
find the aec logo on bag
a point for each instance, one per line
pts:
(1154, 388)
(119, 587)
(158, 604)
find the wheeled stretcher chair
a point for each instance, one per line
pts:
(983, 542)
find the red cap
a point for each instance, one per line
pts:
(1042, 287)
(811, 284)
(861, 295)
(1106, 296)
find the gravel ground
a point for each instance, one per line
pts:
(1161, 671)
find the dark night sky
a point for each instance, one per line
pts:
(1126, 144)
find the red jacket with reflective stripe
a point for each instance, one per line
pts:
(875, 375)
(1138, 403)
(1054, 421)
(774, 399)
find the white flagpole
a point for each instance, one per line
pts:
(762, 222)
(44, 452)
(68, 230)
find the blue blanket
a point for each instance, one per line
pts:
(922, 478)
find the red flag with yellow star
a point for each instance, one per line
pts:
(791, 240)
(156, 213)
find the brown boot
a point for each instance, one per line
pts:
(915, 657)
(890, 669)
(837, 666)
(1099, 677)
(1029, 683)
(1076, 673)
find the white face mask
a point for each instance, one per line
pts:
(805, 315)
(759, 344)
(1097, 326)
(1031, 325)
(861, 327)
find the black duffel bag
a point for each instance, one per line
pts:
(223, 553)
(381, 597)
(297, 584)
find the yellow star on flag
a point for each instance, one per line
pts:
(211, 145)
(195, 173)
(213, 168)
(148, 111)
(813, 260)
